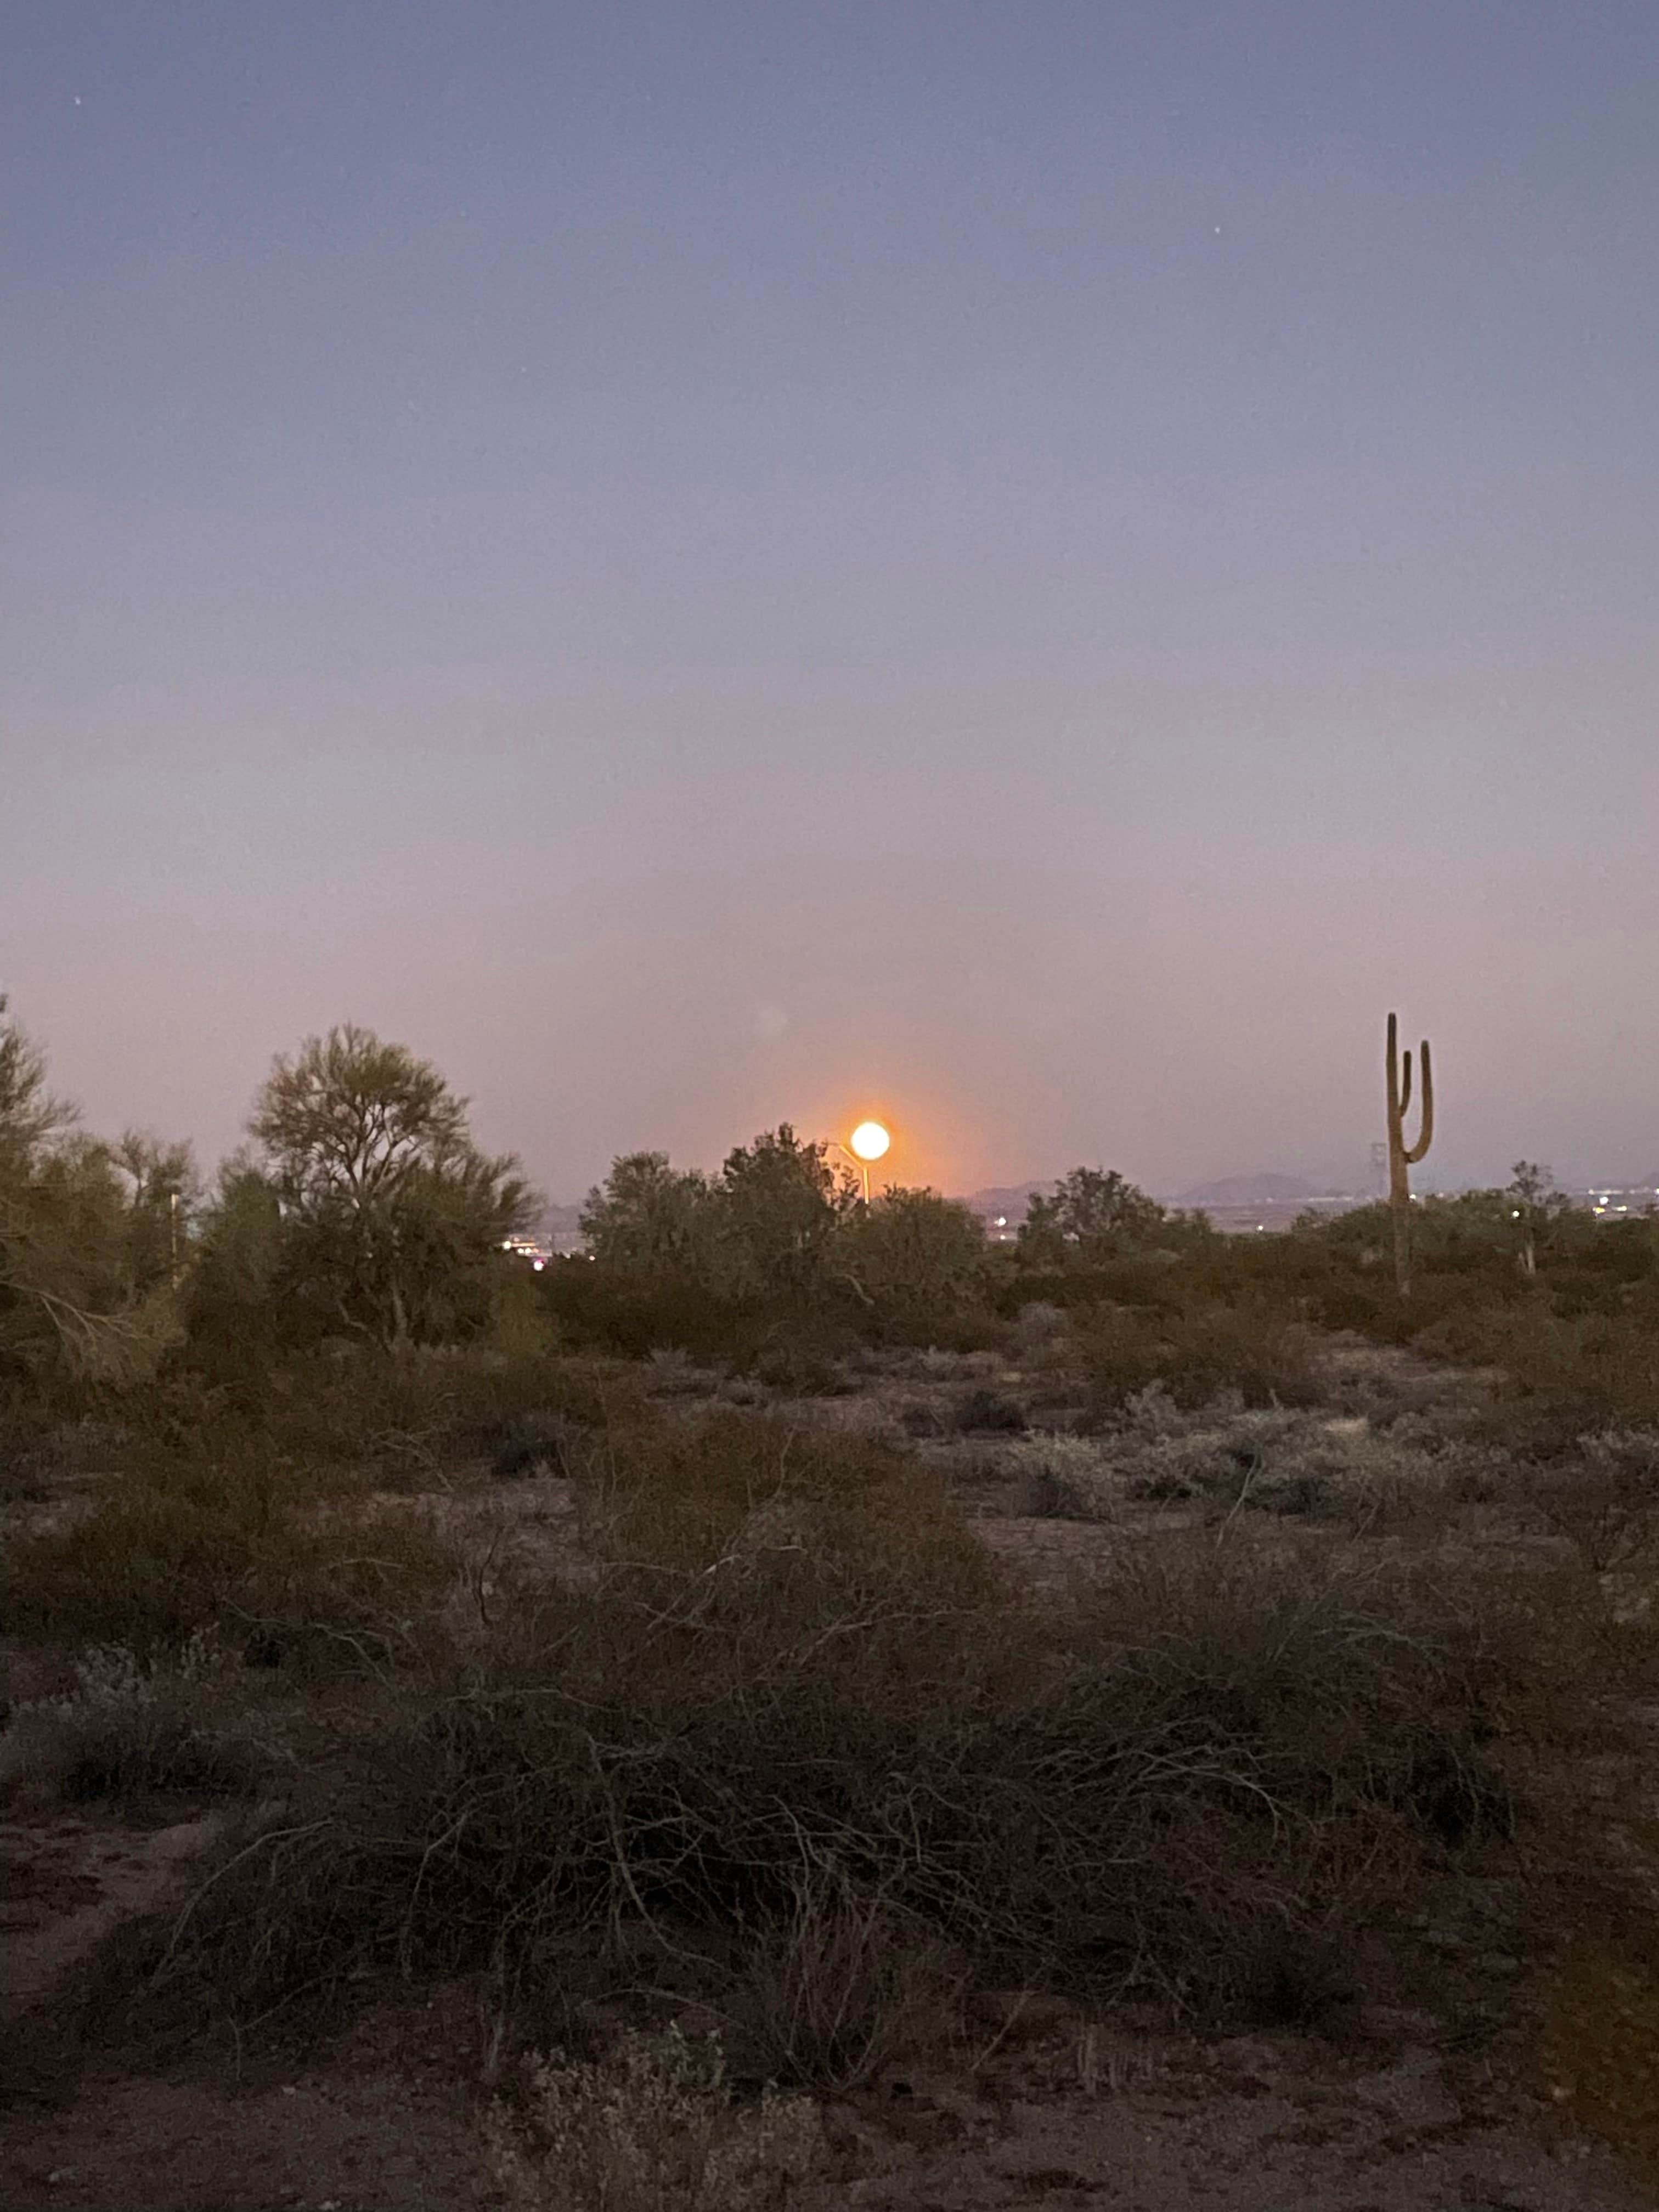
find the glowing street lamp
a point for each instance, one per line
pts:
(868, 1143)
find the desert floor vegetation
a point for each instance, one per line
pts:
(800, 1698)
(645, 1700)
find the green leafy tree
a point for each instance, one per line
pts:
(392, 1216)
(650, 1218)
(921, 1261)
(30, 1117)
(1538, 1212)
(76, 1293)
(235, 1314)
(1091, 1216)
(780, 1205)
(162, 1193)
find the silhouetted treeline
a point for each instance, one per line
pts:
(361, 1211)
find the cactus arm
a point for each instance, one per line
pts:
(1405, 1091)
(1394, 1072)
(1425, 1136)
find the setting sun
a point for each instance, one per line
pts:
(870, 1141)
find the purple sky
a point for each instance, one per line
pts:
(1031, 568)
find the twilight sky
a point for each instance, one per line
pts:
(1028, 568)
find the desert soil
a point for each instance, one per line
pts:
(1407, 2107)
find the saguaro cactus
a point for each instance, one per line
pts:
(1403, 1157)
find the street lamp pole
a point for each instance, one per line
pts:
(869, 1143)
(862, 1167)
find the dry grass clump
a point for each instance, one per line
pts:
(651, 2127)
(837, 1983)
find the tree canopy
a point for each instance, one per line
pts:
(86, 1268)
(648, 1217)
(390, 1214)
(1091, 1215)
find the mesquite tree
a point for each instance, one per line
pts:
(390, 1214)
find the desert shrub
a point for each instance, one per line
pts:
(1197, 1354)
(1280, 1460)
(804, 1357)
(1469, 1296)
(835, 1984)
(619, 1311)
(987, 1409)
(1122, 1349)
(651, 2127)
(230, 1533)
(918, 1264)
(692, 1492)
(1605, 1359)
(1090, 1215)
(1604, 1499)
(1215, 1452)
(418, 1413)
(1374, 1478)
(1196, 1773)
(1599, 1367)
(1246, 1348)
(1062, 1477)
(128, 1734)
(1040, 1330)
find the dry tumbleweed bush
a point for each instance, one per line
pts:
(650, 2128)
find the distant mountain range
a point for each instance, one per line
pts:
(1007, 1203)
(1249, 1190)
(1240, 1192)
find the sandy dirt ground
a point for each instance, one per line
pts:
(1244, 2128)
(1393, 2117)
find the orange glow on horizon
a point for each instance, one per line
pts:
(933, 1143)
